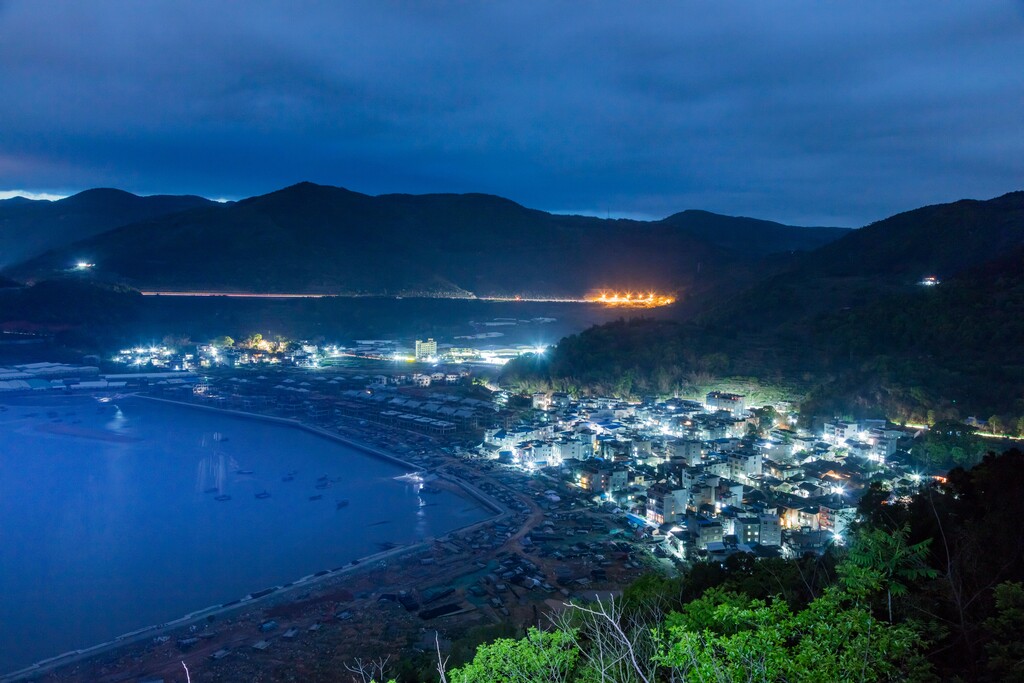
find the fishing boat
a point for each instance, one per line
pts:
(263, 494)
(316, 497)
(223, 497)
(342, 504)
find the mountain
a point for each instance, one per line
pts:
(30, 227)
(314, 238)
(751, 235)
(885, 258)
(848, 323)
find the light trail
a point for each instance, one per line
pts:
(241, 295)
(627, 300)
(296, 295)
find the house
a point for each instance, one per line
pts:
(720, 400)
(770, 532)
(707, 532)
(666, 504)
(747, 530)
(688, 449)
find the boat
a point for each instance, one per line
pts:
(342, 504)
(287, 477)
(243, 471)
(222, 497)
(323, 485)
(316, 497)
(263, 494)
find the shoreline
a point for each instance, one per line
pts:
(258, 598)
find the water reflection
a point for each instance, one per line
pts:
(102, 535)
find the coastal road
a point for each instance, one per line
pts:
(307, 295)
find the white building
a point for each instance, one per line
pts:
(426, 350)
(720, 400)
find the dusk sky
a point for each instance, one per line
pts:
(815, 113)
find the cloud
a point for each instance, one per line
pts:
(48, 196)
(816, 113)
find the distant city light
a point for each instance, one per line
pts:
(632, 299)
(930, 281)
(84, 265)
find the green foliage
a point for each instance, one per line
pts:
(883, 559)
(1006, 648)
(933, 584)
(948, 444)
(540, 657)
(730, 638)
(464, 648)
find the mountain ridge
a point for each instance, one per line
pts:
(30, 227)
(319, 238)
(850, 322)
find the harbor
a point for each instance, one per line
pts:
(183, 512)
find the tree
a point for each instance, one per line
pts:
(540, 657)
(883, 559)
(729, 637)
(615, 646)
(1006, 648)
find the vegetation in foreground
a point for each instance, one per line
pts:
(928, 588)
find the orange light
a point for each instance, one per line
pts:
(631, 299)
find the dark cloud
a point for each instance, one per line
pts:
(815, 113)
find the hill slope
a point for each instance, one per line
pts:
(325, 239)
(751, 235)
(849, 322)
(29, 228)
(885, 258)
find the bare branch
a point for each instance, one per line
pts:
(441, 663)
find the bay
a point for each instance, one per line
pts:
(110, 520)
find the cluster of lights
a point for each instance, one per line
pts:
(632, 299)
(158, 356)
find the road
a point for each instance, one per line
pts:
(301, 295)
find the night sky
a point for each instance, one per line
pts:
(834, 113)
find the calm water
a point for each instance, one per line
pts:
(342, 319)
(108, 522)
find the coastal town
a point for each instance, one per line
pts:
(587, 494)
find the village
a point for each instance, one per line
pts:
(589, 494)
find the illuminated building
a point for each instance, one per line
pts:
(426, 349)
